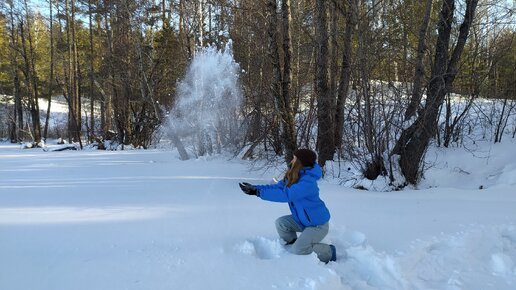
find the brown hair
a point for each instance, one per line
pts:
(292, 174)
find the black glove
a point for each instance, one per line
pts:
(248, 188)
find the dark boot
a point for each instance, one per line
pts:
(291, 242)
(333, 253)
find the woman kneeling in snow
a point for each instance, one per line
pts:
(309, 216)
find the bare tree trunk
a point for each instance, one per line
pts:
(121, 70)
(36, 123)
(181, 18)
(419, 71)
(91, 76)
(325, 104)
(200, 15)
(72, 76)
(164, 18)
(274, 50)
(72, 128)
(18, 109)
(280, 88)
(108, 100)
(369, 131)
(16, 135)
(414, 140)
(31, 77)
(51, 76)
(333, 50)
(345, 75)
(504, 117)
(288, 114)
(76, 96)
(184, 39)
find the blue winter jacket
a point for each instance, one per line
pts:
(302, 197)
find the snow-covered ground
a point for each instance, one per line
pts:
(145, 220)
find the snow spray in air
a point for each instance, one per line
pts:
(205, 115)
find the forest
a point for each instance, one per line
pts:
(372, 81)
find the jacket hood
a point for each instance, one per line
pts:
(315, 172)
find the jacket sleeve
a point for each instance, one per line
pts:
(272, 192)
(279, 192)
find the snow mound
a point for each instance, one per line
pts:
(361, 267)
(262, 248)
(508, 176)
(478, 256)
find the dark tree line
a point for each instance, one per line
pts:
(362, 80)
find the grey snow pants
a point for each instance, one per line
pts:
(308, 241)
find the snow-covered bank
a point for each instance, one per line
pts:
(145, 220)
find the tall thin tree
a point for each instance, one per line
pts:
(278, 86)
(51, 72)
(325, 103)
(31, 78)
(350, 8)
(288, 114)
